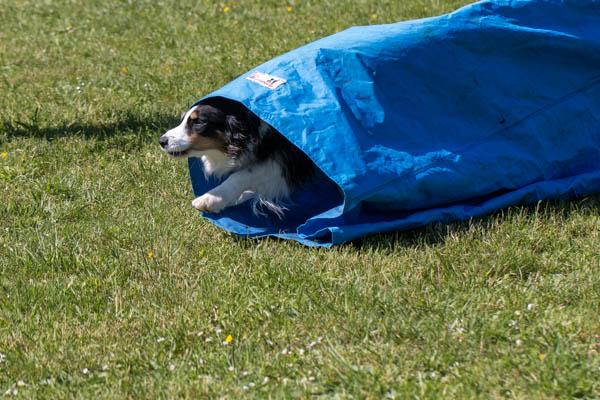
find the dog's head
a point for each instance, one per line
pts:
(202, 128)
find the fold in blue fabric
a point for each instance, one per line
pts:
(433, 120)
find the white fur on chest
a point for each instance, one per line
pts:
(215, 163)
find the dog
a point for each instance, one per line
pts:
(253, 160)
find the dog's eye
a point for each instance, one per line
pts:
(198, 126)
(193, 118)
(195, 121)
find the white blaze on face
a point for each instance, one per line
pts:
(179, 140)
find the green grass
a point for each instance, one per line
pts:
(111, 286)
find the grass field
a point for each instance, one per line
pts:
(111, 286)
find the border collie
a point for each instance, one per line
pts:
(256, 162)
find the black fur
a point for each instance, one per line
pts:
(247, 143)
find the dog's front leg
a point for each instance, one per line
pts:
(265, 179)
(222, 196)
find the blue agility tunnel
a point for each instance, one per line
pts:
(433, 120)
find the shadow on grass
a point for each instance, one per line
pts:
(430, 235)
(126, 122)
(438, 233)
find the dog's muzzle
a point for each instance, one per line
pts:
(164, 144)
(163, 141)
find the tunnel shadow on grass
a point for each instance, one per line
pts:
(123, 122)
(439, 233)
(128, 122)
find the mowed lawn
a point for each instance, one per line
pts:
(111, 286)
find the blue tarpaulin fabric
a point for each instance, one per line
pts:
(439, 119)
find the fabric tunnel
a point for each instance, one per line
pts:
(431, 120)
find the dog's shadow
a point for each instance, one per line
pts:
(122, 123)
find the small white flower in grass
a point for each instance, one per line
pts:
(245, 373)
(85, 371)
(201, 361)
(519, 342)
(285, 351)
(172, 367)
(517, 313)
(47, 381)
(265, 380)
(20, 383)
(432, 374)
(530, 307)
(104, 367)
(456, 330)
(160, 339)
(251, 384)
(231, 369)
(2, 357)
(301, 352)
(244, 387)
(311, 378)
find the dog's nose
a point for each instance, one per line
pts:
(163, 141)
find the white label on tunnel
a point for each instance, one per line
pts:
(266, 80)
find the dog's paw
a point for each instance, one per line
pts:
(209, 203)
